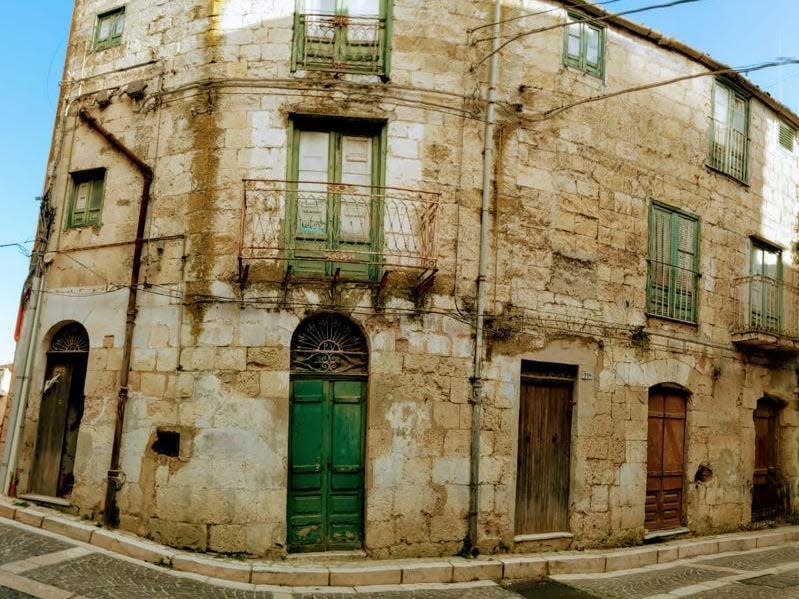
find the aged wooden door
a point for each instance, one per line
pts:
(60, 413)
(665, 459)
(327, 424)
(766, 480)
(542, 473)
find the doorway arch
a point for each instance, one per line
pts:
(60, 412)
(327, 426)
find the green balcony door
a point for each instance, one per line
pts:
(327, 424)
(765, 290)
(335, 206)
(325, 504)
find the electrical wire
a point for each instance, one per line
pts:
(535, 14)
(587, 20)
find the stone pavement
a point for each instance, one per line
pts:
(36, 564)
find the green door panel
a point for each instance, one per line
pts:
(326, 468)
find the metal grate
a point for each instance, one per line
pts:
(341, 43)
(339, 218)
(329, 343)
(672, 291)
(770, 501)
(728, 150)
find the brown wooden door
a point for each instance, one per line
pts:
(665, 462)
(542, 475)
(765, 483)
(59, 420)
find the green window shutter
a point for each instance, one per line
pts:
(108, 31)
(572, 44)
(673, 254)
(594, 47)
(584, 45)
(86, 201)
(787, 135)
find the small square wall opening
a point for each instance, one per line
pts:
(167, 442)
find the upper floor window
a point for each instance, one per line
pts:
(787, 136)
(342, 36)
(86, 198)
(765, 287)
(584, 45)
(335, 210)
(728, 143)
(109, 28)
(673, 263)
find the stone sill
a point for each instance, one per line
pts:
(665, 534)
(542, 536)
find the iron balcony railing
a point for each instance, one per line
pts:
(340, 43)
(671, 291)
(728, 150)
(766, 305)
(341, 223)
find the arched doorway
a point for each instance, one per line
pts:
(768, 496)
(327, 422)
(665, 462)
(60, 413)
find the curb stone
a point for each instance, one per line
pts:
(404, 573)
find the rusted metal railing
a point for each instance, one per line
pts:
(357, 224)
(728, 150)
(340, 43)
(765, 305)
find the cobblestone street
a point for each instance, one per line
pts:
(35, 564)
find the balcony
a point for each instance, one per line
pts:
(728, 150)
(766, 315)
(357, 232)
(672, 291)
(340, 44)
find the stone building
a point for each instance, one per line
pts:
(260, 247)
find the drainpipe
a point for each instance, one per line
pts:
(23, 363)
(114, 479)
(485, 213)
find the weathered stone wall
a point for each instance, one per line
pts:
(567, 275)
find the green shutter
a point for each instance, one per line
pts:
(85, 204)
(673, 263)
(584, 46)
(787, 136)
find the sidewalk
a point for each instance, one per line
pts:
(369, 572)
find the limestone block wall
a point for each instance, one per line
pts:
(567, 275)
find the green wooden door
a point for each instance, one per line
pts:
(326, 464)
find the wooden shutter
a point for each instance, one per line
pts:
(787, 135)
(95, 207)
(660, 260)
(80, 203)
(593, 49)
(573, 43)
(685, 263)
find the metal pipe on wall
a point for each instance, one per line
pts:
(485, 214)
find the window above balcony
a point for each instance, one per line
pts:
(728, 133)
(342, 36)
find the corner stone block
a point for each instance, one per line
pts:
(74, 530)
(212, 568)
(7, 510)
(698, 548)
(288, 576)
(632, 558)
(470, 570)
(426, 572)
(577, 564)
(29, 517)
(365, 575)
(524, 568)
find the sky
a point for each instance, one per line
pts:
(735, 32)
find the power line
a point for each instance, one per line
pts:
(534, 14)
(727, 70)
(588, 20)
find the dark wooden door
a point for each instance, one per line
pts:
(52, 428)
(542, 474)
(665, 459)
(766, 480)
(326, 465)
